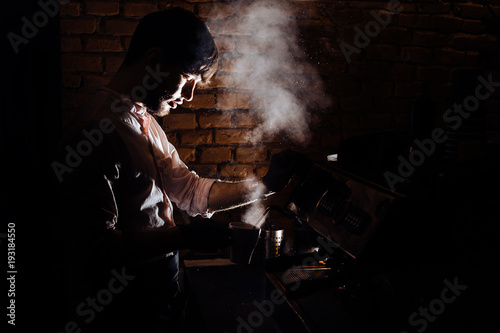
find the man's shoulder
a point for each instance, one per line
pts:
(102, 110)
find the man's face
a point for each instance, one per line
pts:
(173, 90)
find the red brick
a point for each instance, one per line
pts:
(401, 121)
(383, 52)
(103, 8)
(225, 44)
(246, 119)
(473, 42)
(187, 155)
(360, 103)
(219, 81)
(75, 101)
(138, 9)
(403, 7)
(297, 83)
(252, 45)
(181, 121)
(236, 65)
(216, 10)
(228, 136)
(251, 154)
(215, 155)
(196, 137)
(398, 35)
(439, 89)
(236, 171)
(447, 23)
(472, 10)
(215, 120)
(414, 20)
(120, 27)
(112, 63)
(234, 26)
(261, 171)
(126, 41)
(212, 26)
(344, 16)
(347, 134)
(204, 170)
(417, 54)
(103, 45)
(345, 86)
(172, 135)
(429, 38)
(78, 26)
(384, 14)
(233, 101)
(87, 63)
(450, 56)
(400, 72)
(433, 74)
(165, 4)
(304, 11)
(70, 9)
(365, 69)
(382, 121)
(242, 8)
(472, 58)
(200, 101)
(395, 105)
(277, 138)
(473, 27)
(407, 89)
(71, 44)
(315, 29)
(93, 82)
(71, 81)
(434, 8)
(379, 89)
(350, 122)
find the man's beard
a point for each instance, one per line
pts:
(157, 105)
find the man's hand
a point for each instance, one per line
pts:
(205, 235)
(282, 168)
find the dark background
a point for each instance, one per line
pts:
(373, 94)
(31, 128)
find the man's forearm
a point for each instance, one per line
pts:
(229, 195)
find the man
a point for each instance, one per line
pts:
(120, 240)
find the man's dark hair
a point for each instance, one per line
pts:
(182, 37)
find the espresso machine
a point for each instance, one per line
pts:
(366, 258)
(350, 234)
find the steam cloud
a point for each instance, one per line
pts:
(256, 210)
(270, 67)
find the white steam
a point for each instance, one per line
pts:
(269, 65)
(253, 215)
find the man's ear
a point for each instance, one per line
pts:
(153, 56)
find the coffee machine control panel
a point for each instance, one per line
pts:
(340, 207)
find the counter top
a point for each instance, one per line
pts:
(234, 298)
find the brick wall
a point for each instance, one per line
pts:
(421, 46)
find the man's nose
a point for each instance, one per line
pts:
(188, 91)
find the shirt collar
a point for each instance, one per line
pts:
(138, 111)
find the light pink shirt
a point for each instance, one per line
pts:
(159, 175)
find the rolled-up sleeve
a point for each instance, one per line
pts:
(186, 189)
(182, 186)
